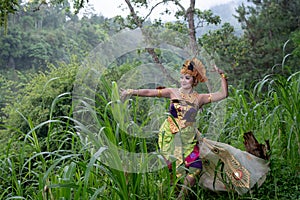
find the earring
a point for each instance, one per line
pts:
(195, 82)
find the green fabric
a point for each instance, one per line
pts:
(179, 144)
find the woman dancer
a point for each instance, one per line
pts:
(220, 167)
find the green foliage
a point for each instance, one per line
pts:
(283, 95)
(33, 169)
(6, 94)
(35, 102)
(206, 18)
(177, 26)
(270, 37)
(292, 58)
(296, 41)
(11, 81)
(46, 36)
(10, 7)
(267, 26)
(7, 7)
(230, 52)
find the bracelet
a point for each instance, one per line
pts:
(210, 98)
(159, 92)
(223, 75)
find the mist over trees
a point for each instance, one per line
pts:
(51, 34)
(39, 33)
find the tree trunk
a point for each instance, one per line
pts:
(191, 23)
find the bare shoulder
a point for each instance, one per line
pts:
(173, 92)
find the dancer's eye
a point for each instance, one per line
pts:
(188, 77)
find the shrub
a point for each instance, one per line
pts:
(47, 94)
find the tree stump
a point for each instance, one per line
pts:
(255, 148)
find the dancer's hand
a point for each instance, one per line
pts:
(124, 93)
(216, 69)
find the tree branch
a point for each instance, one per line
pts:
(138, 22)
(151, 51)
(153, 7)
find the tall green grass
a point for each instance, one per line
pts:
(32, 168)
(283, 99)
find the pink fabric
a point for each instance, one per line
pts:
(192, 157)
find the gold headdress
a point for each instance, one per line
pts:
(194, 68)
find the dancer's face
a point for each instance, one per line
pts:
(186, 81)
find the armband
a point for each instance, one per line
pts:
(159, 92)
(210, 98)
